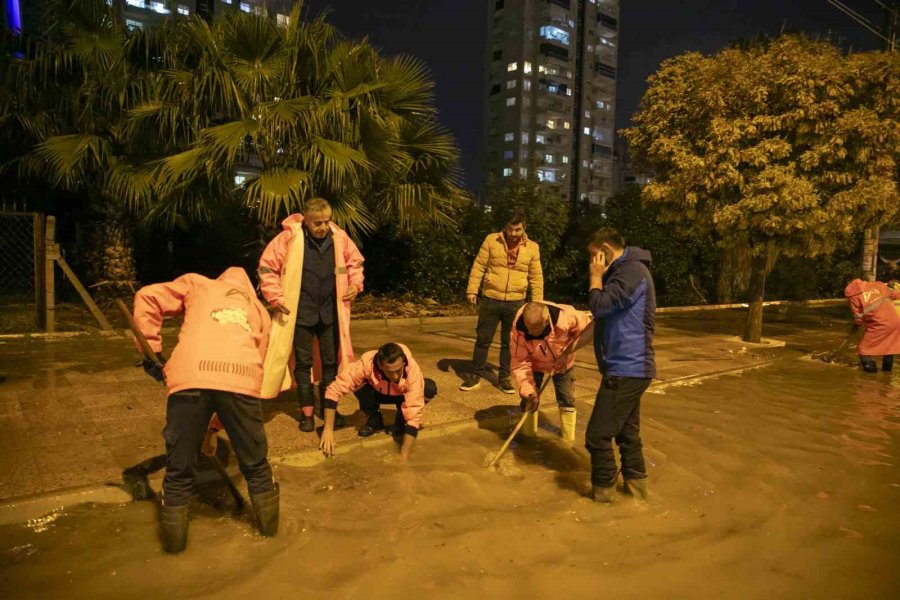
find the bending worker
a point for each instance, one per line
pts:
(216, 366)
(870, 302)
(542, 333)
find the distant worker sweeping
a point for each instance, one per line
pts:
(872, 307)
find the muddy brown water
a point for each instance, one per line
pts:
(780, 482)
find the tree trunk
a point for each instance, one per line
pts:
(734, 270)
(112, 271)
(758, 270)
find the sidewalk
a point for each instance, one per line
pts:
(75, 411)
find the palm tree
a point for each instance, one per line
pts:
(297, 111)
(66, 102)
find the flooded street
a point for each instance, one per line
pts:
(779, 482)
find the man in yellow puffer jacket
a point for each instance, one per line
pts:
(509, 267)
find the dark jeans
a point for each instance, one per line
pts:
(303, 355)
(490, 313)
(370, 400)
(564, 383)
(868, 363)
(616, 415)
(187, 418)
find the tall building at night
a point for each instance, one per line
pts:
(21, 14)
(551, 90)
(143, 13)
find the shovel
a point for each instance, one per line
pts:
(586, 336)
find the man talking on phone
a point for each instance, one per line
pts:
(623, 302)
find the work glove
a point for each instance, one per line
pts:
(529, 403)
(154, 369)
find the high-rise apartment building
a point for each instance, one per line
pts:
(139, 14)
(143, 13)
(551, 92)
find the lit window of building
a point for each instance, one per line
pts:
(551, 124)
(510, 101)
(183, 10)
(523, 172)
(587, 114)
(587, 131)
(507, 172)
(526, 67)
(509, 136)
(512, 66)
(132, 24)
(548, 158)
(524, 137)
(245, 7)
(584, 164)
(507, 155)
(566, 125)
(549, 32)
(283, 20)
(159, 7)
(565, 159)
(136, 3)
(510, 84)
(526, 84)
(539, 139)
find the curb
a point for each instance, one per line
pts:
(389, 322)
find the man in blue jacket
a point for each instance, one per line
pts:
(623, 301)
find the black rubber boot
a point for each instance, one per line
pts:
(374, 424)
(637, 488)
(307, 424)
(173, 527)
(604, 495)
(265, 507)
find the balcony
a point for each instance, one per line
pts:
(554, 51)
(605, 70)
(601, 150)
(566, 4)
(607, 21)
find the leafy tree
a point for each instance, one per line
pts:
(64, 111)
(783, 147)
(303, 113)
(682, 266)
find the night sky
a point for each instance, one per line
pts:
(450, 36)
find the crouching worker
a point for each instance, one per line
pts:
(216, 367)
(389, 375)
(542, 333)
(870, 302)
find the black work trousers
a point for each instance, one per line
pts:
(303, 355)
(187, 418)
(490, 313)
(616, 416)
(370, 400)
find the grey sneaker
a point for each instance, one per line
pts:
(506, 386)
(470, 382)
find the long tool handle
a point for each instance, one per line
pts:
(146, 350)
(239, 500)
(572, 347)
(510, 438)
